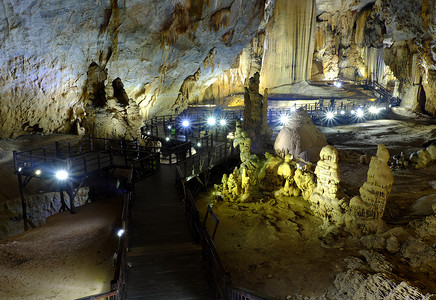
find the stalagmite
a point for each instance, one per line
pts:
(300, 138)
(326, 202)
(375, 191)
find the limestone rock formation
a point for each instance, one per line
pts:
(305, 180)
(152, 46)
(288, 45)
(268, 177)
(326, 200)
(39, 208)
(287, 172)
(255, 122)
(375, 191)
(424, 157)
(300, 138)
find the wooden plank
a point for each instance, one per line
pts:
(166, 263)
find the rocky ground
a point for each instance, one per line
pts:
(277, 247)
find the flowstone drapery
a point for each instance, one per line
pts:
(375, 191)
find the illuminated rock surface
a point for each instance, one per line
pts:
(300, 138)
(152, 46)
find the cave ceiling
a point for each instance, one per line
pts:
(58, 57)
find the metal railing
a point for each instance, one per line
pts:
(118, 283)
(84, 156)
(221, 278)
(204, 160)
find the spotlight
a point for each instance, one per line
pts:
(330, 115)
(223, 122)
(120, 232)
(38, 172)
(167, 139)
(61, 174)
(199, 144)
(185, 123)
(169, 127)
(284, 119)
(211, 121)
(342, 112)
(148, 133)
(373, 110)
(359, 113)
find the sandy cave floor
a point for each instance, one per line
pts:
(273, 246)
(67, 258)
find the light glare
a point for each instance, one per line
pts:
(223, 122)
(330, 115)
(185, 123)
(211, 121)
(284, 119)
(61, 174)
(374, 110)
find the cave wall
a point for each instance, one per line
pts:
(386, 41)
(63, 63)
(55, 55)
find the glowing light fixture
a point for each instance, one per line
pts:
(359, 113)
(20, 169)
(38, 172)
(61, 174)
(373, 110)
(167, 139)
(211, 121)
(223, 122)
(185, 123)
(330, 115)
(198, 144)
(120, 232)
(337, 84)
(342, 112)
(169, 127)
(284, 119)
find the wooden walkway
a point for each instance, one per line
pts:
(166, 263)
